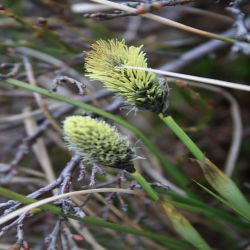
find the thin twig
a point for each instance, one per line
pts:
(194, 78)
(39, 149)
(38, 98)
(239, 19)
(19, 117)
(196, 53)
(217, 16)
(141, 7)
(166, 21)
(71, 242)
(23, 148)
(55, 62)
(51, 239)
(12, 215)
(68, 169)
(14, 68)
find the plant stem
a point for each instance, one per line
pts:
(176, 175)
(186, 140)
(146, 186)
(180, 224)
(215, 177)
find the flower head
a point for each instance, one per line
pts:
(98, 142)
(140, 88)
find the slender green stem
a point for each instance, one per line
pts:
(186, 140)
(181, 225)
(146, 186)
(176, 175)
(232, 196)
(167, 241)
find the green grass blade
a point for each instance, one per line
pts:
(227, 203)
(185, 139)
(167, 241)
(145, 185)
(184, 228)
(206, 209)
(226, 188)
(176, 175)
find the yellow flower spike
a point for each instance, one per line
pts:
(98, 142)
(140, 88)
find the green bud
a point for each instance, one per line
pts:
(98, 142)
(140, 88)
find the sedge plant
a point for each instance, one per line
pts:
(107, 63)
(99, 143)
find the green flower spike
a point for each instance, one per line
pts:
(98, 142)
(143, 90)
(140, 88)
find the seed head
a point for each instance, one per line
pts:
(98, 142)
(140, 88)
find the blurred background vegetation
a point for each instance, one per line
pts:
(41, 41)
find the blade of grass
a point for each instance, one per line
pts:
(235, 207)
(176, 175)
(39, 203)
(215, 177)
(185, 139)
(180, 224)
(146, 186)
(217, 225)
(184, 227)
(206, 208)
(167, 241)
